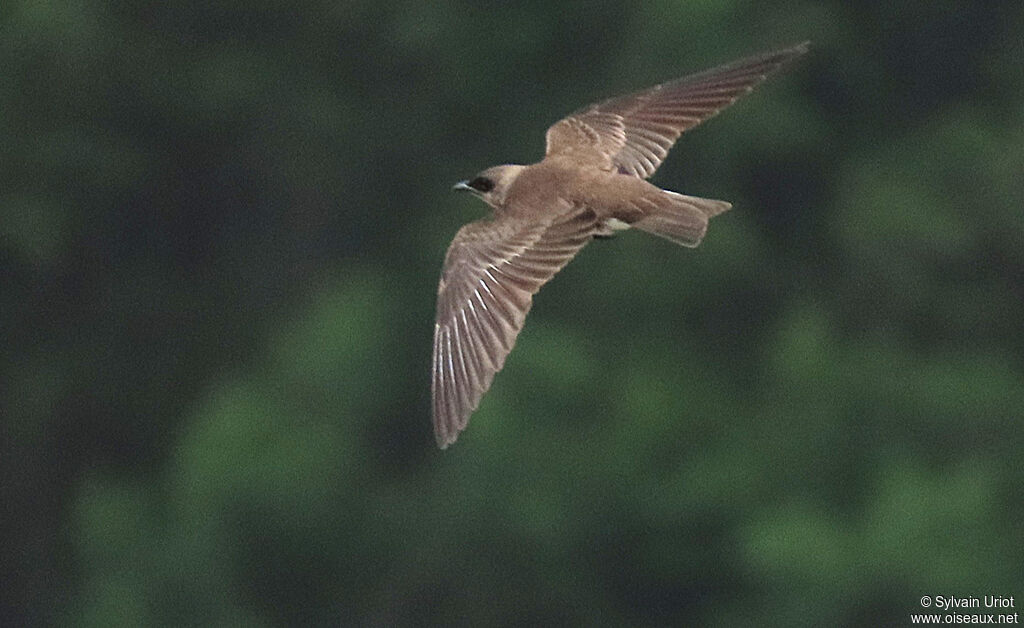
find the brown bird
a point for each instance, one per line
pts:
(591, 183)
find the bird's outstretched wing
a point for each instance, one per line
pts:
(491, 272)
(633, 133)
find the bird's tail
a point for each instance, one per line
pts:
(679, 218)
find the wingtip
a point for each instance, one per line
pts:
(794, 51)
(443, 438)
(783, 57)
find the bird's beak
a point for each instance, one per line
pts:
(462, 186)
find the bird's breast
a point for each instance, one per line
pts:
(541, 187)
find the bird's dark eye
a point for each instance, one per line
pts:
(482, 184)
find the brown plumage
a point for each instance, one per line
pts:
(590, 183)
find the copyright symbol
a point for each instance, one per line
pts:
(926, 601)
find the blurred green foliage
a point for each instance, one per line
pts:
(221, 225)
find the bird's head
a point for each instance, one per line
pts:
(492, 184)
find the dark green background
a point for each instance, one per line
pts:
(221, 227)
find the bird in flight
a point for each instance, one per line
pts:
(591, 183)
